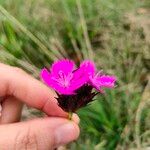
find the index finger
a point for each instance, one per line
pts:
(14, 81)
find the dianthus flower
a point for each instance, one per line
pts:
(74, 86)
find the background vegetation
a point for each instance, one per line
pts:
(114, 33)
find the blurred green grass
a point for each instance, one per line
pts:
(114, 34)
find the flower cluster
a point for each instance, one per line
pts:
(74, 86)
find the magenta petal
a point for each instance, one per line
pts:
(66, 66)
(106, 81)
(65, 91)
(88, 67)
(81, 75)
(45, 75)
(75, 84)
(47, 78)
(50, 81)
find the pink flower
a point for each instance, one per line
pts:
(88, 67)
(74, 87)
(98, 80)
(63, 78)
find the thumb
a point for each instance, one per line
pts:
(44, 134)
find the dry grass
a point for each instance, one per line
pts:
(116, 38)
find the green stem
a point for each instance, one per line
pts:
(70, 115)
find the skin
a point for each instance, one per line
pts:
(18, 88)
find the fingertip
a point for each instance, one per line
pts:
(66, 133)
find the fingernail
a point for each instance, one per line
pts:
(66, 133)
(76, 118)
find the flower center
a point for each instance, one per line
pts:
(64, 79)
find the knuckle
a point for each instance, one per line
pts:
(26, 140)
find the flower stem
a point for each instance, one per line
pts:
(70, 115)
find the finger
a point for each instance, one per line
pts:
(0, 109)
(11, 110)
(44, 134)
(29, 90)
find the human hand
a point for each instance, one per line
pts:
(16, 88)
